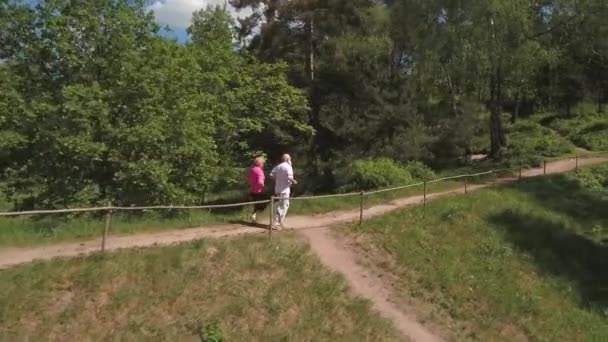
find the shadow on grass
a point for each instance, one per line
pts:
(561, 252)
(565, 195)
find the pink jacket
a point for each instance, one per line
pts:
(256, 180)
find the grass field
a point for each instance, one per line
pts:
(526, 261)
(245, 289)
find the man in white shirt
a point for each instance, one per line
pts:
(283, 179)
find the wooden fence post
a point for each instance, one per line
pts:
(465, 184)
(361, 210)
(271, 216)
(576, 166)
(424, 200)
(545, 167)
(520, 173)
(106, 227)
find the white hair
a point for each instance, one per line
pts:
(286, 158)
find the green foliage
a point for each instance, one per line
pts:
(419, 171)
(376, 173)
(95, 106)
(119, 114)
(586, 128)
(594, 141)
(573, 126)
(479, 142)
(594, 178)
(211, 332)
(529, 142)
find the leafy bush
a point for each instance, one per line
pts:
(211, 332)
(595, 178)
(383, 172)
(594, 136)
(419, 171)
(480, 143)
(529, 143)
(377, 173)
(544, 119)
(527, 126)
(553, 146)
(596, 141)
(589, 131)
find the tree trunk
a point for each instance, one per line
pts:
(497, 134)
(310, 62)
(515, 115)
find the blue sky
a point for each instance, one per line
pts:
(177, 14)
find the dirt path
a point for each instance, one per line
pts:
(15, 256)
(363, 283)
(331, 250)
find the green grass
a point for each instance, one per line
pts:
(324, 205)
(244, 289)
(24, 231)
(523, 261)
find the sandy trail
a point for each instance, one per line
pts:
(331, 250)
(15, 256)
(363, 283)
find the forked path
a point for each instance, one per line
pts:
(331, 250)
(363, 283)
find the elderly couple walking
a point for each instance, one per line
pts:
(283, 178)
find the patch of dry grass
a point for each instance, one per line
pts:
(243, 289)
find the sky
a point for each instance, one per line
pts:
(177, 14)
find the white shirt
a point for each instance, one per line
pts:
(282, 173)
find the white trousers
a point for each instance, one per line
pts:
(282, 207)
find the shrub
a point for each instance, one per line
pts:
(544, 119)
(480, 143)
(593, 137)
(211, 332)
(553, 146)
(383, 172)
(419, 171)
(529, 143)
(589, 131)
(595, 178)
(529, 127)
(597, 141)
(376, 173)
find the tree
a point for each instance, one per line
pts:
(98, 107)
(261, 111)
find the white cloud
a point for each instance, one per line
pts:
(177, 13)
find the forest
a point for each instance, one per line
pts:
(97, 106)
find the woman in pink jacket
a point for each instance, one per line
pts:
(256, 179)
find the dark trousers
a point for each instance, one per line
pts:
(258, 197)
